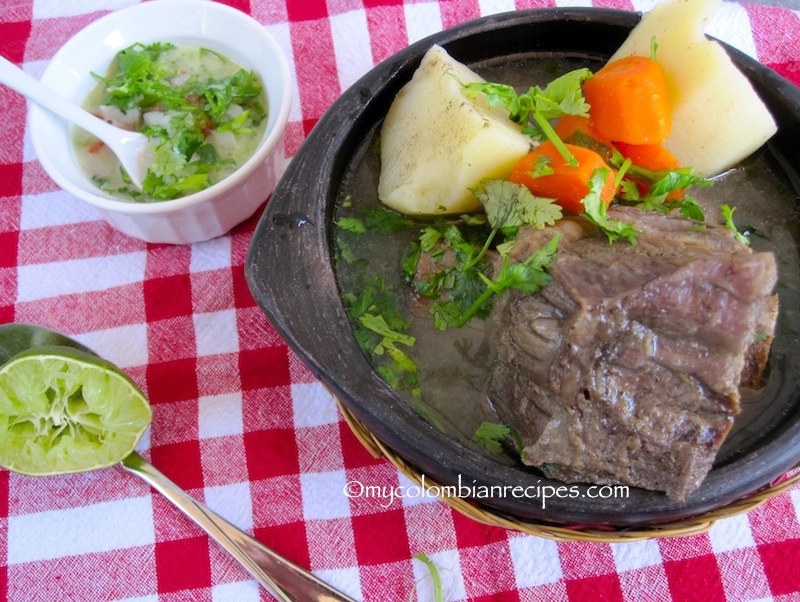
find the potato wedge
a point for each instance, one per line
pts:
(437, 143)
(717, 117)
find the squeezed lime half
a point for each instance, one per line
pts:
(63, 410)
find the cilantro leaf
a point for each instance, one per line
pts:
(239, 125)
(351, 224)
(165, 188)
(663, 183)
(455, 291)
(380, 330)
(519, 107)
(595, 210)
(401, 362)
(511, 205)
(411, 262)
(528, 276)
(384, 220)
(462, 291)
(167, 160)
(218, 95)
(429, 237)
(658, 186)
(139, 79)
(690, 209)
(490, 436)
(727, 214)
(629, 191)
(562, 96)
(389, 336)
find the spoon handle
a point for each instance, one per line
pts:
(131, 148)
(283, 579)
(17, 79)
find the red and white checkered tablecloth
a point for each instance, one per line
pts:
(243, 426)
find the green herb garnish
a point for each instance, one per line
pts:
(562, 96)
(491, 435)
(193, 106)
(658, 186)
(385, 221)
(727, 214)
(528, 276)
(351, 224)
(462, 290)
(595, 211)
(380, 331)
(510, 205)
(438, 592)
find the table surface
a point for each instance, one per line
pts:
(244, 427)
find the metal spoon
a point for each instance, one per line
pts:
(131, 148)
(283, 579)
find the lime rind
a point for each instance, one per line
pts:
(63, 411)
(16, 338)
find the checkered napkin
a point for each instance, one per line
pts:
(244, 427)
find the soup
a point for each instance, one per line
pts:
(454, 366)
(204, 113)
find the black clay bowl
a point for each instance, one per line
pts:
(290, 272)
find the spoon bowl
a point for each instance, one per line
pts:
(133, 150)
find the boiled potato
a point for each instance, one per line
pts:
(717, 117)
(437, 143)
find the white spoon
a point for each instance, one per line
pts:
(131, 148)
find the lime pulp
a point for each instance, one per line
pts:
(63, 410)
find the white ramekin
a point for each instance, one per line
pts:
(200, 216)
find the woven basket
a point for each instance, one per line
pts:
(680, 528)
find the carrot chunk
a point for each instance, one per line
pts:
(566, 184)
(650, 156)
(574, 128)
(628, 101)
